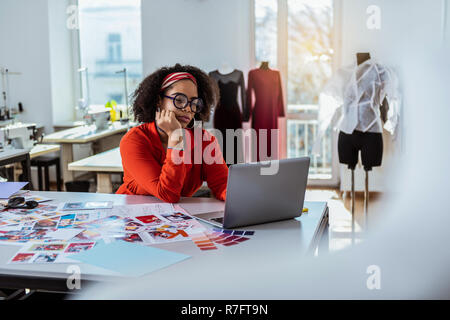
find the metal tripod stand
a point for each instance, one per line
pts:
(366, 203)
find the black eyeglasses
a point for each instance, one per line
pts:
(20, 203)
(181, 101)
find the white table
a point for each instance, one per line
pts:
(41, 149)
(36, 151)
(68, 124)
(11, 156)
(82, 135)
(103, 164)
(11, 153)
(288, 240)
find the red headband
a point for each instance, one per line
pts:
(177, 76)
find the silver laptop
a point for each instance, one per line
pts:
(255, 198)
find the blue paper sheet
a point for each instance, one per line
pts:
(7, 189)
(128, 258)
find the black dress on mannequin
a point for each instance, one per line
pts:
(228, 113)
(369, 143)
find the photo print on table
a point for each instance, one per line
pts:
(66, 221)
(45, 258)
(87, 235)
(90, 205)
(47, 223)
(22, 258)
(48, 247)
(177, 217)
(131, 225)
(131, 237)
(163, 236)
(150, 220)
(78, 247)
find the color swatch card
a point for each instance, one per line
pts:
(129, 259)
(203, 242)
(229, 237)
(234, 232)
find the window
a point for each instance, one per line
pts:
(266, 34)
(110, 40)
(114, 47)
(310, 54)
(307, 27)
(310, 51)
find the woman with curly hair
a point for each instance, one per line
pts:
(167, 102)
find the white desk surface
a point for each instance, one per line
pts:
(41, 149)
(282, 241)
(36, 151)
(11, 153)
(85, 134)
(108, 161)
(69, 124)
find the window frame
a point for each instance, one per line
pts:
(76, 60)
(282, 66)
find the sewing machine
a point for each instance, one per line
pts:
(99, 117)
(18, 136)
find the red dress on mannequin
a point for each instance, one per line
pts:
(265, 104)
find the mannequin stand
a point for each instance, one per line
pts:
(352, 207)
(366, 202)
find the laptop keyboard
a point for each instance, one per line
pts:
(220, 219)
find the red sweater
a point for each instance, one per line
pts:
(150, 170)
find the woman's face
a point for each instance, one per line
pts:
(189, 89)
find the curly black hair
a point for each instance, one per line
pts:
(146, 97)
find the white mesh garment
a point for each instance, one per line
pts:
(352, 97)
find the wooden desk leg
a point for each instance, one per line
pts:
(66, 158)
(104, 184)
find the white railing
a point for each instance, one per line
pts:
(301, 136)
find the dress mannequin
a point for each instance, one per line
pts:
(264, 65)
(369, 142)
(265, 105)
(225, 68)
(230, 109)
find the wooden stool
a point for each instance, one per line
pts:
(46, 162)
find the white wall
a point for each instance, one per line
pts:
(36, 42)
(198, 32)
(407, 26)
(24, 39)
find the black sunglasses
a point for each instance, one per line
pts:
(20, 203)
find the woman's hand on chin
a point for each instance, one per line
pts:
(166, 120)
